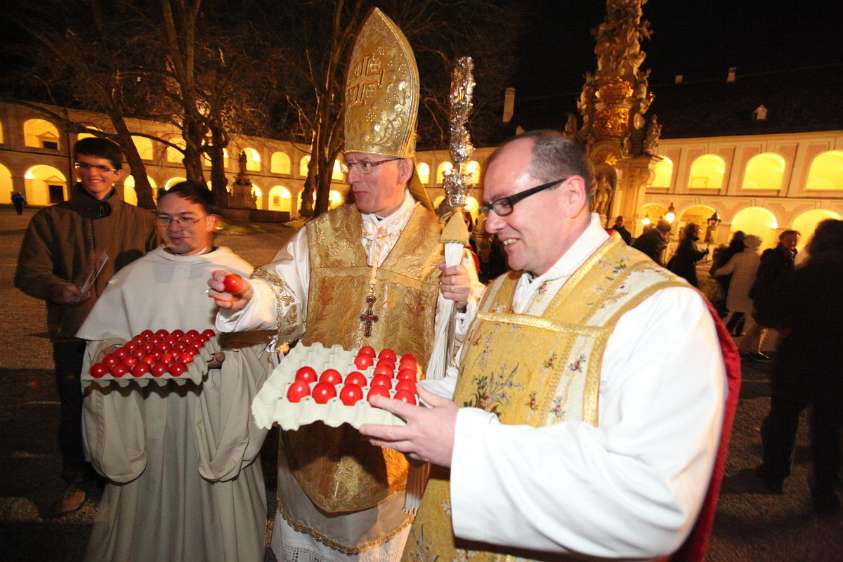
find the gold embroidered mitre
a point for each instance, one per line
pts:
(381, 91)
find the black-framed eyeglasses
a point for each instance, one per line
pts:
(180, 220)
(83, 167)
(365, 167)
(503, 206)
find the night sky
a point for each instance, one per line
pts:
(700, 39)
(697, 38)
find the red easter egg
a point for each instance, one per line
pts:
(356, 378)
(98, 370)
(405, 385)
(140, 369)
(177, 369)
(330, 376)
(234, 284)
(377, 391)
(323, 392)
(363, 362)
(306, 374)
(381, 380)
(297, 391)
(406, 375)
(351, 394)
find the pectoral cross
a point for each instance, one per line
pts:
(369, 317)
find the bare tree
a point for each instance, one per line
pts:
(318, 49)
(91, 62)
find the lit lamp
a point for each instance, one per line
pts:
(646, 220)
(670, 216)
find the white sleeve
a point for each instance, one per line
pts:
(629, 488)
(282, 298)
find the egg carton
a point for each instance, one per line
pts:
(195, 373)
(272, 406)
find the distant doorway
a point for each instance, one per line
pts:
(56, 193)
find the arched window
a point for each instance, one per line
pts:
(253, 159)
(173, 181)
(472, 206)
(40, 133)
(336, 173)
(472, 168)
(173, 155)
(444, 168)
(826, 171)
(764, 171)
(707, 171)
(130, 196)
(758, 221)
(423, 170)
(807, 222)
(335, 199)
(143, 146)
(280, 163)
(662, 173)
(279, 198)
(650, 214)
(45, 185)
(86, 135)
(303, 164)
(5, 185)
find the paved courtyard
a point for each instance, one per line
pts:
(751, 525)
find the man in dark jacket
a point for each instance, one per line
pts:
(68, 254)
(808, 370)
(684, 261)
(621, 229)
(776, 264)
(654, 241)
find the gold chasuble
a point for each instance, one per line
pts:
(537, 370)
(338, 469)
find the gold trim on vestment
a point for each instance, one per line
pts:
(287, 322)
(554, 378)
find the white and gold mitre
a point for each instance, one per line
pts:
(381, 91)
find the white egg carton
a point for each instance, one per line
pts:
(272, 406)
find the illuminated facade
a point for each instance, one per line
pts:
(761, 184)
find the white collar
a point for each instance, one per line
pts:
(587, 243)
(395, 221)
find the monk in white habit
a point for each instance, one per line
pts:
(184, 484)
(589, 416)
(366, 273)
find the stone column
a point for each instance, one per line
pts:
(633, 178)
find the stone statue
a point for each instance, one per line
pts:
(602, 195)
(242, 162)
(651, 138)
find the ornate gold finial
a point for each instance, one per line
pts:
(382, 91)
(461, 149)
(615, 97)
